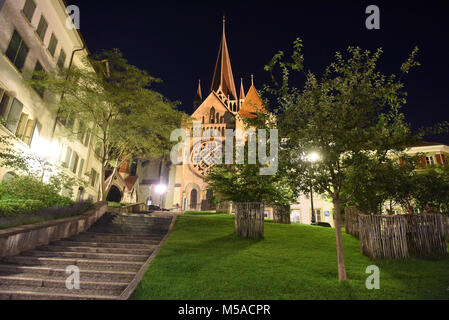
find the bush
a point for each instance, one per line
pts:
(16, 207)
(27, 187)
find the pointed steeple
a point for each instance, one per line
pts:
(223, 77)
(198, 97)
(242, 90)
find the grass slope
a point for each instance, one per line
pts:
(203, 259)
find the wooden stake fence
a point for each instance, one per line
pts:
(383, 237)
(249, 220)
(352, 221)
(400, 236)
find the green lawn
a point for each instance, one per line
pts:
(203, 259)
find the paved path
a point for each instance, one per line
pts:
(110, 256)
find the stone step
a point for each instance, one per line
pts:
(93, 244)
(48, 272)
(85, 255)
(43, 293)
(120, 235)
(112, 239)
(65, 262)
(124, 235)
(27, 280)
(146, 252)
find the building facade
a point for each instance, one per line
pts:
(34, 36)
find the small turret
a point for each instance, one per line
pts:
(198, 97)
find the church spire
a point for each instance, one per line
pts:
(242, 90)
(198, 97)
(223, 77)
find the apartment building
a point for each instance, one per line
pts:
(34, 36)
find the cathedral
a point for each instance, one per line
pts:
(182, 186)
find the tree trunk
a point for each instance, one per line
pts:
(249, 220)
(102, 184)
(340, 254)
(281, 214)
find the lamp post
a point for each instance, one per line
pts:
(312, 158)
(160, 190)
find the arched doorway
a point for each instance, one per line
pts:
(193, 199)
(8, 176)
(114, 195)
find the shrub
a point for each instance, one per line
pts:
(27, 187)
(16, 207)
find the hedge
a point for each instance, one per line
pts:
(16, 207)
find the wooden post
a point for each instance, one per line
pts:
(281, 214)
(249, 220)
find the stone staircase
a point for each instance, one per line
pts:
(108, 255)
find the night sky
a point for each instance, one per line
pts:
(178, 41)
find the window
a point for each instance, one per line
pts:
(39, 90)
(14, 115)
(68, 121)
(212, 115)
(93, 177)
(52, 45)
(80, 171)
(74, 162)
(4, 102)
(17, 50)
(430, 161)
(42, 28)
(61, 60)
(68, 156)
(28, 9)
(87, 139)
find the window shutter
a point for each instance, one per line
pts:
(14, 115)
(21, 56)
(29, 131)
(13, 46)
(21, 126)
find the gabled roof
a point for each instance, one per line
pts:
(252, 104)
(129, 182)
(223, 77)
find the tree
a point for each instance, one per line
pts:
(350, 116)
(39, 167)
(431, 192)
(113, 100)
(392, 183)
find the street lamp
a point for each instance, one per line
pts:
(312, 158)
(160, 190)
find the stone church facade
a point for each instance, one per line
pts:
(223, 108)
